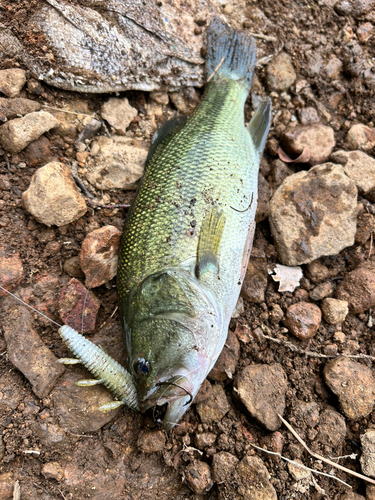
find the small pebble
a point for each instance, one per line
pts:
(368, 453)
(280, 73)
(73, 268)
(53, 470)
(256, 279)
(6, 486)
(78, 308)
(52, 197)
(12, 81)
(358, 288)
(254, 480)
(364, 32)
(276, 314)
(16, 134)
(119, 114)
(198, 477)
(243, 333)
(330, 350)
(298, 473)
(161, 98)
(223, 465)
(303, 320)
(262, 389)
(322, 291)
(99, 255)
(332, 428)
(215, 407)
(239, 309)
(273, 442)
(365, 228)
(334, 310)
(360, 136)
(353, 384)
(11, 270)
(308, 116)
(204, 440)
(339, 337)
(151, 441)
(334, 68)
(38, 152)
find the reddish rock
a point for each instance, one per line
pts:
(78, 307)
(358, 288)
(38, 152)
(53, 470)
(360, 136)
(303, 319)
(226, 365)
(99, 255)
(262, 389)
(11, 270)
(364, 32)
(353, 384)
(273, 442)
(198, 477)
(318, 139)
(28, 353)
(151, 441)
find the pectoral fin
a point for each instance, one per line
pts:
(259, 126)
(209, 242)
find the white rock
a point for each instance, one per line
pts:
(116, 162)
(119, 114)
(52, 197)
(16, 134)
(334, 310)
(12, 81)
(288, 277)
(368, 453)
(360, 167)
(313, 214)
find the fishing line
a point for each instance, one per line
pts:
(29, 306)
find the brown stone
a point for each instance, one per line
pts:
(332, 428)
(358, 288)
(11, 270)
(223, 466)
(151, 441)
(255, 281)
(353, 384)
(303, 319)
(6, 486)
(254, 480)
(318, 139)
(225, 366)
(53, 470)
(99, 255)
(214, 408)
(198, 477)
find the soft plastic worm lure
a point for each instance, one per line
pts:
(108, 372)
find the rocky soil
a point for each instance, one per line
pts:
(301, 342)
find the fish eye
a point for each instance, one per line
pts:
(141, 367)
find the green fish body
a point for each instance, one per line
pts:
(188, 235)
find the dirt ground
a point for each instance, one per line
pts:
(109, 464)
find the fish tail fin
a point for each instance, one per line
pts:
(230, 53)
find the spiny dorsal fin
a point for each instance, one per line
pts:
(209, 242)
(259, 126)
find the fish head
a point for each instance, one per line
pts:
(173, 343)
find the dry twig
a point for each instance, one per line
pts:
(215, 70)
(323, 459)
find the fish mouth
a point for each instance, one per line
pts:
(177, 392)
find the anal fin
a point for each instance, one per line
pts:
(209, 242)
(259, 125)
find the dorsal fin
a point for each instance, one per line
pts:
(259, 125)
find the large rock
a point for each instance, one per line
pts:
(28, 353)
(16, 134)
(52, 197)
(353, 384)
(313, 214)
(12, 81)
(12, 108)
(116, 162)
(358, 288)
(360, 167)
(119, 114)
(315, 141)
(99, 255)
(262, 388)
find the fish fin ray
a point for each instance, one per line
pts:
(259, 126)
(209, 242)
(230, 53)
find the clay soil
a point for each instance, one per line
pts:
(94, 463)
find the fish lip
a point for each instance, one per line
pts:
(168, 391)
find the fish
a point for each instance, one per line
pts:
(186, 242)
(187, 238)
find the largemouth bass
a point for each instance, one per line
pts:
(187, 238)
